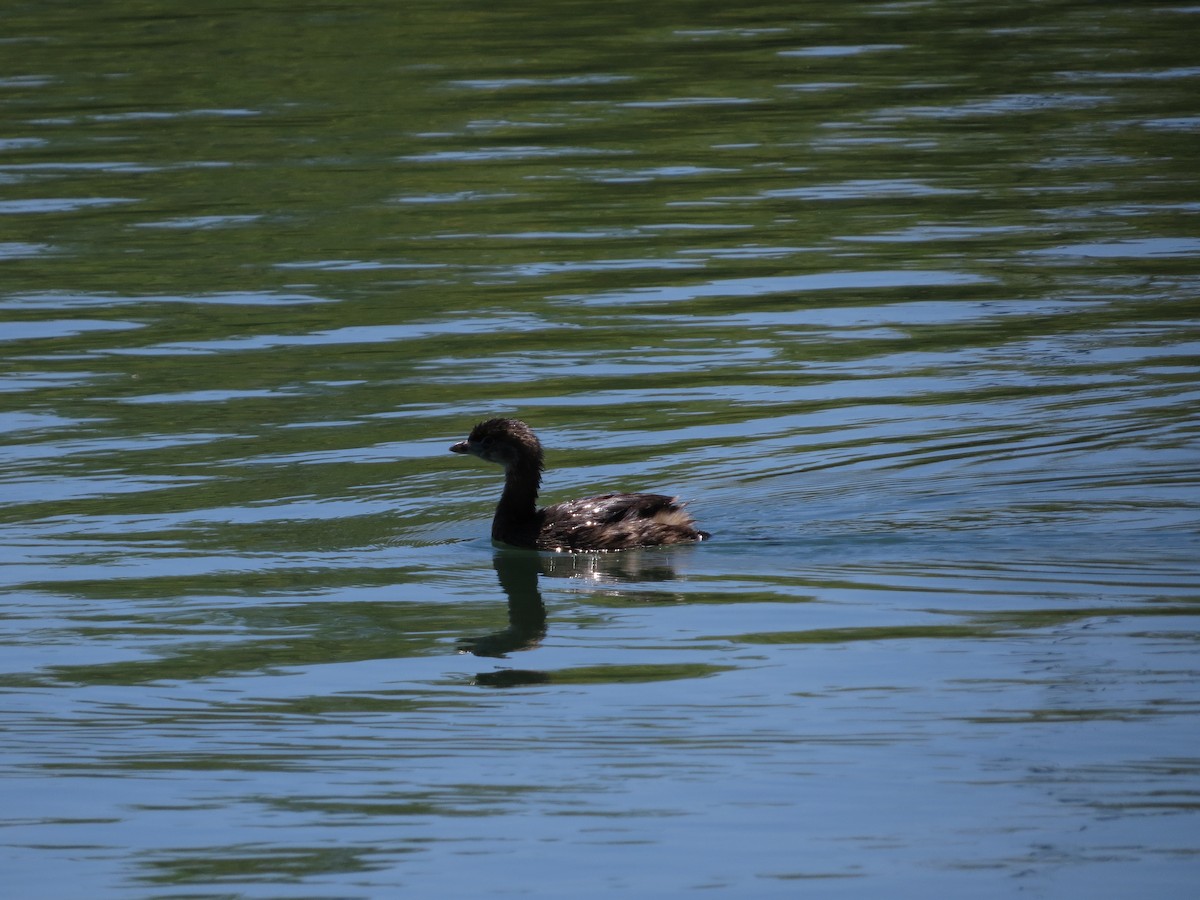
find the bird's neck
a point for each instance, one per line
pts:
(516, 520)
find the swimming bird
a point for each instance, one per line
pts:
(605, 522)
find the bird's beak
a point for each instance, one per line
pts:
(460, 447)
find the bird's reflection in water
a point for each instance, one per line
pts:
(640, 564)
(518, 572)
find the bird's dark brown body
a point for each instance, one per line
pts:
(605, 522)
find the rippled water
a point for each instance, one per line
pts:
(901, 297)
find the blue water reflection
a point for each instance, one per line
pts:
(899, 297)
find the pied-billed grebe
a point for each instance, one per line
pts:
(604, 522)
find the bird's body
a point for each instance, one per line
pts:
(605, 522)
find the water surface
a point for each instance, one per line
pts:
(900, 296)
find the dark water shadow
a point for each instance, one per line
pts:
(518, 572)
